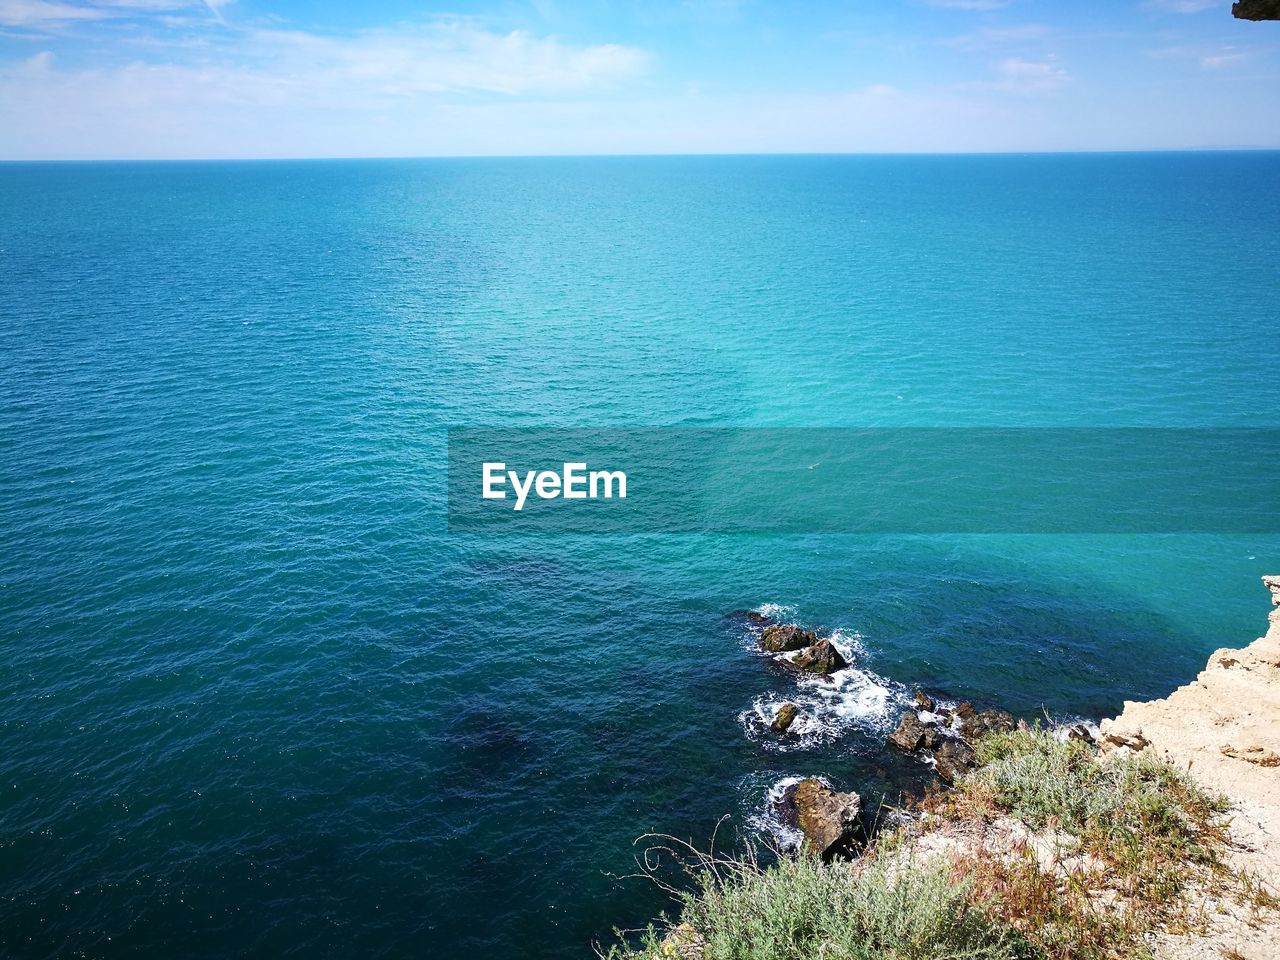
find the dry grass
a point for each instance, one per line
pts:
(1142, 835)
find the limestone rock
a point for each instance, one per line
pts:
(1225, 728)
(1132, 740)
(1254, 753)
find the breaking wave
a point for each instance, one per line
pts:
(851, 699)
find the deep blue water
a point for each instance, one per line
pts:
(256, 701)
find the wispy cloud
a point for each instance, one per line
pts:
(1019, 75)
(454, 57)
(970, 4)
(715, 9)
(998, 36)
(173, 78)
(1224, 58)
(29, 13)
(52, 13)
(1184, 6)
(1208, 58)
(440, 57)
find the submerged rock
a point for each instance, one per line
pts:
(830, 821)
(821, 657)
(752, 618)
(785, 716)
(953, 759)
(784, 638)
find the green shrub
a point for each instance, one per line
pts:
(1123, 802)
(874, 909)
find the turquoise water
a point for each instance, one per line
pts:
(257, 701)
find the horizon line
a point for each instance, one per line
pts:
(624, 156)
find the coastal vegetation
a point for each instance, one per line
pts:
(1048, 849)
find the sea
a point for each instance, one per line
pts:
(258, 700)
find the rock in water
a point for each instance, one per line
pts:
(831, 822)
(912, 734)
(987, 721)
(925, 702)
(821, 657)
(785, 716)
(783, 638)
(954, 759)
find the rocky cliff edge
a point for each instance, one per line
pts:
(1225, 727)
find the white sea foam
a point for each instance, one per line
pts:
(1062, 728)
(766, 820)
(849, 643)
(828, 707)
(949, 722)
(778, 611)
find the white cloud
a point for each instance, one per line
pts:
(293, 87)
(439, 57)
(457, 86)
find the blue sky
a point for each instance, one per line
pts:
(251, 78)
